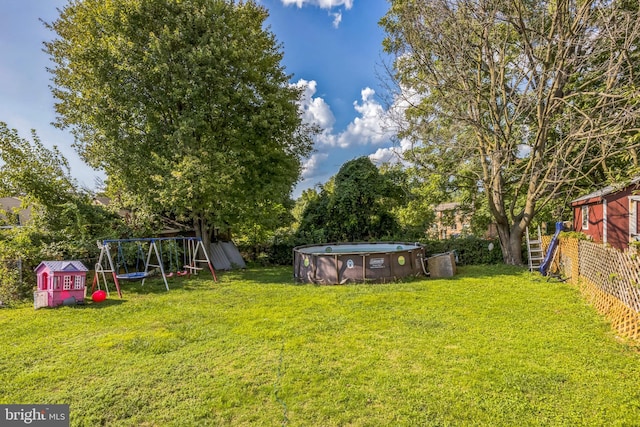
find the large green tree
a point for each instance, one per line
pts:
(183, 103)
(356, 204)
(520, 99)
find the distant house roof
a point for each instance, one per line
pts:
(609, 189)
(170, 226)
(102, 200)
(62, 266)
(14, 204)
(449, 206)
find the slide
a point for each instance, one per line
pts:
(546, 263)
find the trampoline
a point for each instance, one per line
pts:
(340, 263)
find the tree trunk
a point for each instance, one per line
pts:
(203, 231)
(510, 243)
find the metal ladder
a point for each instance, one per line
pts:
(535, 251)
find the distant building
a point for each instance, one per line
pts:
(106, 202)
(450, 221)
(170, 227)
(12, 214)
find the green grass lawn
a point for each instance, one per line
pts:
(493, 346)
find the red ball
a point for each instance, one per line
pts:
(99, 296)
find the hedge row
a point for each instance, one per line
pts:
(468, 251)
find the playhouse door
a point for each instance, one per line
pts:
(634, 227)
(40, 299)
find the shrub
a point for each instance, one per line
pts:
(17, 252)
(13, 287)
(469, 250)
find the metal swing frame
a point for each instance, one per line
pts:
(193, 245)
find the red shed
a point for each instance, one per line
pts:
(609, 215)
(58, 282)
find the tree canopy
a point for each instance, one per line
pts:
(519, 100)
(184, 104)
(355, 205)
(31, 171)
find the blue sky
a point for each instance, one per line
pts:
(332, 48)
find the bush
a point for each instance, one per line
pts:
(18, 250)
(268, 254)
(13, 286)
(469, 250)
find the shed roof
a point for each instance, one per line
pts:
(448, 206)
(63, 266)
(609, 189)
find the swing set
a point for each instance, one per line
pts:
(143, 267)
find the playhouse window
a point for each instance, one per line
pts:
(67, 283)
(77, 283)
(56, 282)
(585, 217)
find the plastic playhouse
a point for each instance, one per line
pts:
(60, 283)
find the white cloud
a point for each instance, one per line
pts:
(337, 19)
(370, 127)
(324, 4)
(391, 154)
(315, 110)
(374, 128)
(312, 165)
(385, 155)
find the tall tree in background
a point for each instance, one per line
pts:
(521, 99)
(356, 204)
(183, 104)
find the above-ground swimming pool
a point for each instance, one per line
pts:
(339, 263)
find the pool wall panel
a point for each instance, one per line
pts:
(351, 267)
(334, 264)
(326, 271)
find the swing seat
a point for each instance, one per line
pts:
(138, 275)
(176, 273)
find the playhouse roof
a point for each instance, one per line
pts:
(609, 189)
(63, 266)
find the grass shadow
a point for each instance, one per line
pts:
(279, 275)
(487, 271)
(155, 285)
(283, 275)
(90, 305)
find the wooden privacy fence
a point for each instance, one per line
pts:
(607, 278)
